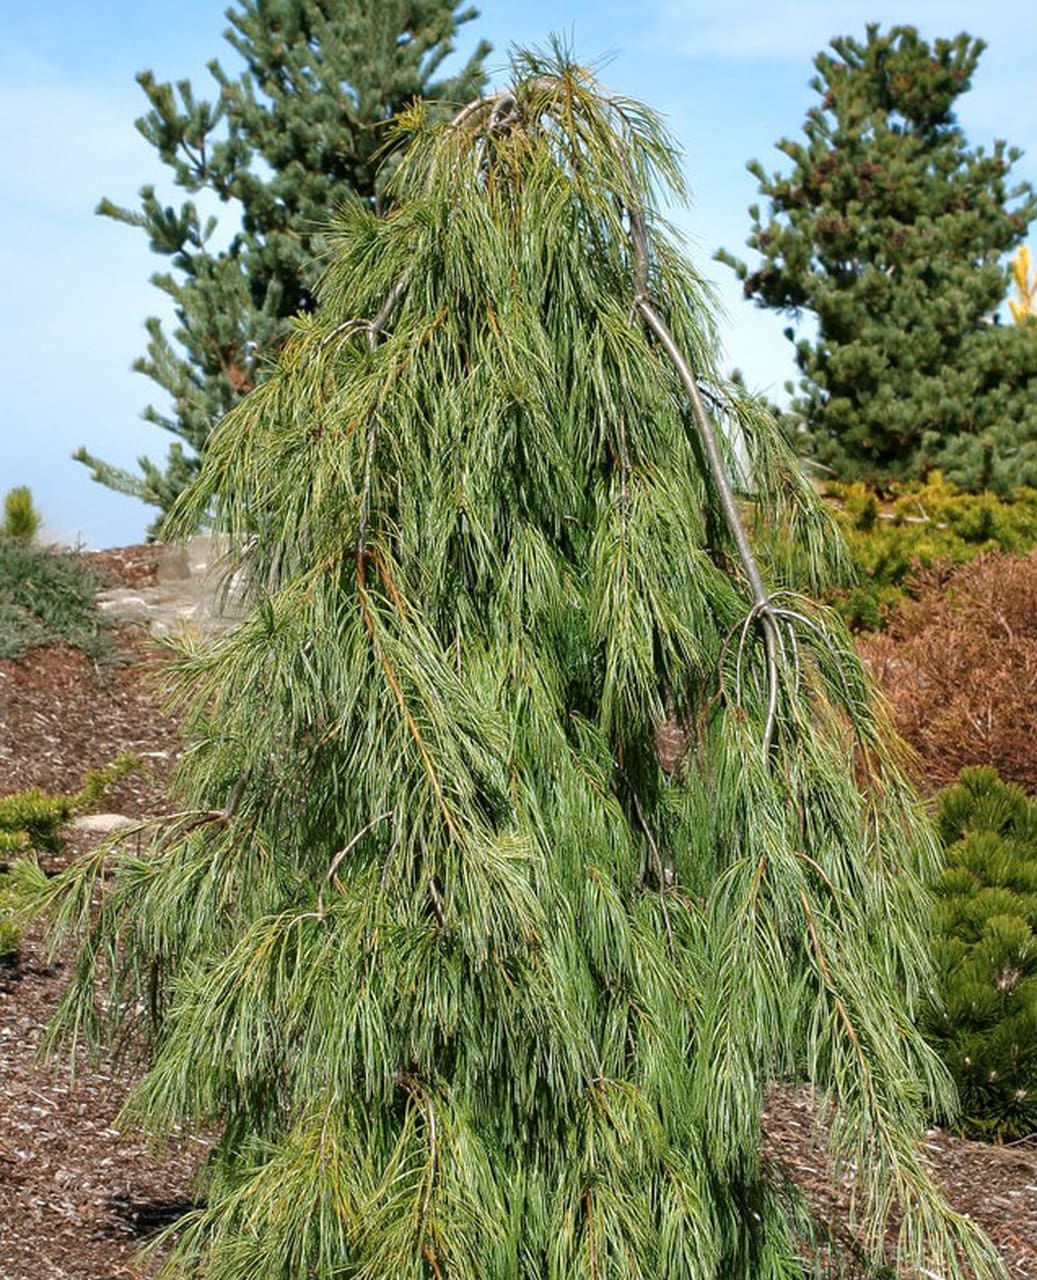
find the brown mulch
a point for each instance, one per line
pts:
(77, 1196)
(62, 716)
(996, 1186)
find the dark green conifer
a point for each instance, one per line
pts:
(468, 984)
(303, 128)
(887, 238)
(986, 952)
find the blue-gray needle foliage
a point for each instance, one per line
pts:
(468, 985)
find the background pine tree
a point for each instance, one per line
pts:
(468, 984)
(890, 231)
(303, 128)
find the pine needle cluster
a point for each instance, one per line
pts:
(470, 985)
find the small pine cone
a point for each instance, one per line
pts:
(671, 742)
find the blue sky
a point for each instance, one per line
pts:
(731, 76)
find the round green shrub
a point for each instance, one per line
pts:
(985, 949)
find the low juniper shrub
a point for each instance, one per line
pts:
(47, 596)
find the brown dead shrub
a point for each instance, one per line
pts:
(959, 664)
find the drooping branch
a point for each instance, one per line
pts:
(495, 115)
(374, 329)
(762, 607)
(381, 319)
(761, 600)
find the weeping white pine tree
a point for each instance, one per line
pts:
(533, 824)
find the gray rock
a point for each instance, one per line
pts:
(103, 824)
(191, 592)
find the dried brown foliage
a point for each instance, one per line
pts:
(959, 664)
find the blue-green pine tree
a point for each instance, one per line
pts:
(304, 127)
(471, 978)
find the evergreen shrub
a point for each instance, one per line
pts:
(47, 597)
(883, 241)
(959, 664)
(21, 519)
(985, 947)
(31, 822)
(302, 122)
(467, 985)
(919, 527)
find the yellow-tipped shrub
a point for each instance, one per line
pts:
(21, 519)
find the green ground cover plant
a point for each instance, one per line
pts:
(47, 596)
(10, 919)
(30, 823)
